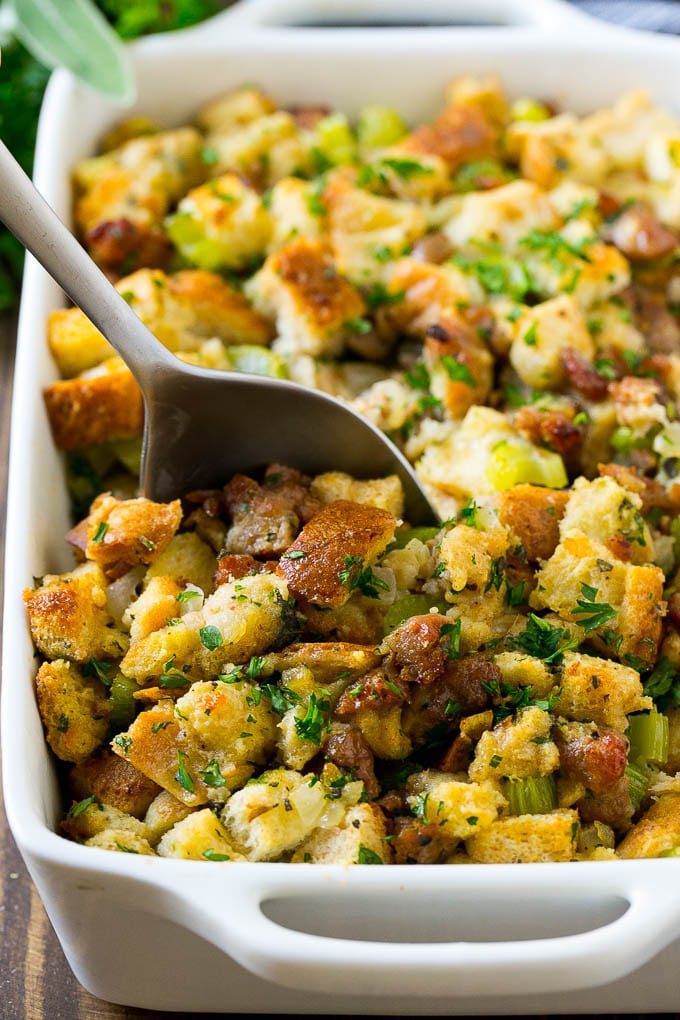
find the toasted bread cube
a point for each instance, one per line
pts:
(154, 608)
(604, 510)
(124, 533)
(138, 181)
(470, 553)
(313, 305)
(198, 837)
(217, 309)
(122, 841)
(75, 344)
(114, 781)
(533, 514)
(274, 814)
(502, 216)
(382, 730)
(461, 133)
(366, 230)
(657, 832)
(526, 839)
(221, 225)
(263, 150)
(518, 747)
(164, 812)
(85, 820)
(599, 690)
(459, 808)
(542, 333)
(241, 619)
(525, 671)
(234, 110)
(384, 493)
(91, 410)
(342, 537)
(357, 839)
(74, 710)
(359, 621)
(326, 660)
(187, 560)
(69, 618)
(296, 211)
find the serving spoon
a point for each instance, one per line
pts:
(201, 426)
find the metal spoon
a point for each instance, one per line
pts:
(203, 425)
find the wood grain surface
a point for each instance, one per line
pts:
(36, 982)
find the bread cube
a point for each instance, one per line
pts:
(526, 839)
(198, 837)
(541, 334)
(164, 812)
(458, 807)
(74, 710)
(600, 690)
(519, 747)
(124, 533)
(359, 838)
(385, 493)
(113, 781)
(95, 409)
(657, 832)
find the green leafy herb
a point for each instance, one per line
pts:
(450, 639)
(187, 596)
(210, 638)
(211, 774)
(594, 614)
(406, 168)
(76, 810)
(182, 776)
(359, 325)
(100, 669)
(316, 719)
(368, 856)
(541, 639)
(99, 534)
(213, 855)
(282, 698)
(456, 371)
(295, 554)
(356, 576)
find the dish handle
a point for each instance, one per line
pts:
(430, 931)
(548, 15)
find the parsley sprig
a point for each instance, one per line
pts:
(594, 614)
(357, 576)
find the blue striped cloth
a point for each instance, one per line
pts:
(652, 15)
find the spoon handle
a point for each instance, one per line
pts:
(34, 223)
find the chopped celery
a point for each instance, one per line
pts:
(184, 229)
(624, 439)
(379, 125)
(526, 108)
(122, 705)
(129, 453)
(637, 785)
(334, 140)
(513, 462)
(411, 605)
(534, 796)
(648, 733)
(256, 360)
(188, 235)
(406, 535)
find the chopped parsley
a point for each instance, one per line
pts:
(541, 639)
(99, 534)
(450, 639)
(212, 855)
(187, 596)
(456, 370)
(356, 576)
(594, 614)
(182, 776)
(76, 810)
(368, 856)
(316, 719)
(210, 638)
(211, 774)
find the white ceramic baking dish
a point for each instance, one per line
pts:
(276, 938)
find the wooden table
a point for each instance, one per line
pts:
(36, 982)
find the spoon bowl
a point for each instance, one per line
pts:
(203, 425)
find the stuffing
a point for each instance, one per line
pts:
(233, 110)
(112, 780)
(383, 493)
(221, 225)
(333, 554)
(261, 151)
(360, 838)
(516, 748)
(526, 839)
(241, 619)
(657, 833)
(610, 515)
(295, 210)
(313, 305)
(541, 334)
(199, 836)
(599, 689)
(458, 807)
(154, 608)
(471, 555)
(89, 818)
(122, 841)
(124, 533)
(532, 514)
(502, 216)
(94, 409)
(69, 618)
(164, 812)
(74, 710)
(186, 559)
(518, 670)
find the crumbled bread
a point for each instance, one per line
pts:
(74, 710)
(85, 820)
(69, 618)
(457, 807)
(533, 514)
(599, 689)
(295, 210)
(96, 409)
(336, 545)
(164, 812)
(517, 747)
(609, 514)
(123, 533)
(314, 305)
(469, 555)
(262, 151)
(542, 333)
(245, 617)
(526, 839)
(357, 839)
(657, 832)
(198, 837)
(187, 559)
(385, 493)
(154, 608)
(122, 841)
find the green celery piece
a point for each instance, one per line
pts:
(257, 361)
(423, 534)
(75, 34)
(122, 705)
(637, 785)
(411, 605)
(648, 733)
(534, 796)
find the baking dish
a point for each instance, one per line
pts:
(164, 934)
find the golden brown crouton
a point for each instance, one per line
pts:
(459, 134)
(323, 564)
(325, 659)
(385, 493)
(643, 607)
(599, 690)
(69, 618)
(526, 839)
(121, 841)
(657, 832)
(124, 533)
(164, 812)
(218, 309)
(518, 747)
(94, 410)
(358, 839)
(88, 818)
(75, 344)
(199, 837)
(112, 780)
(154, 608)
(313, 304)
(73, 708)
(187, 560)
(533, 514)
